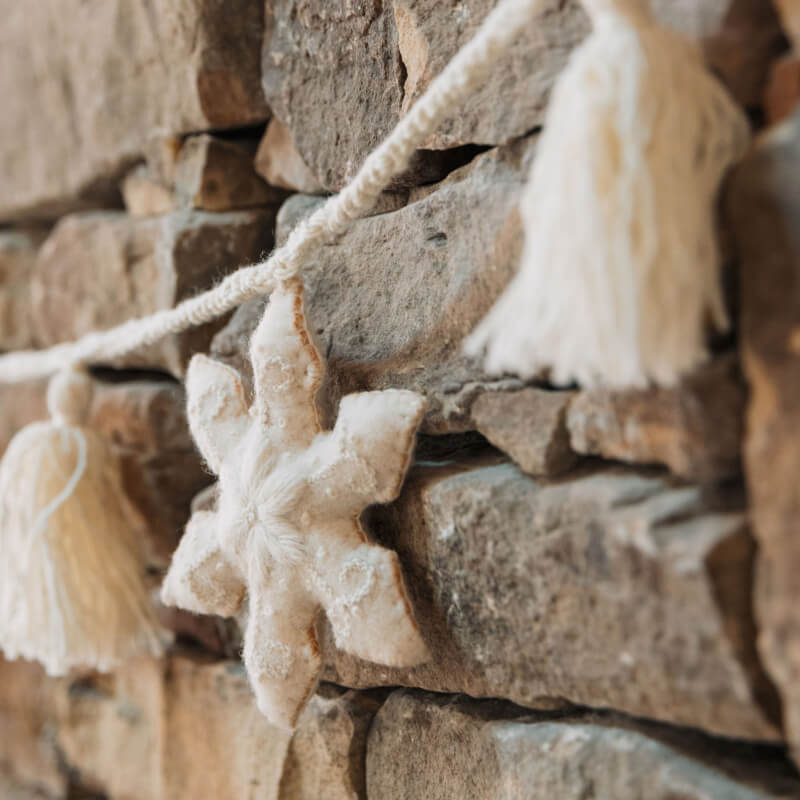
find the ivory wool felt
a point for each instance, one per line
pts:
(286, 534)
(72, 572)
(620, 269)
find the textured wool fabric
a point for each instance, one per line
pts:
(286, 534)
(72, 571)
(620, 267)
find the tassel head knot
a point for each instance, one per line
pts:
(69, 395)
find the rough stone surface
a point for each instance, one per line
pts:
(145, 422)
(789, 14)
(217, 175)
(379, 325)
(529, 425)
(346, 54)
(764, 202)
(99, 269)
(85, 85)
(695, 429)
(783, 90)
(28, 752)
(382, 327)
(441, 748)
(567, 578)
(17, 258)
(20, 404)
(184, 730)
(11, 789)
(429, 33)
(161, 157)
(372, 61)
(171, 730)
(279, 163)
(609, 589)
(144, 195)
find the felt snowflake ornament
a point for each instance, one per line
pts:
(286, 533)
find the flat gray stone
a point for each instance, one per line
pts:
(606, 588)
(694, 428)
(97, 270)
(530, 425)
(440, 748)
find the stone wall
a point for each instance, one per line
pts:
(607, 582)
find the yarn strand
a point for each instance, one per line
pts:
(465, 72)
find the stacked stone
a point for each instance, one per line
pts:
(606, 585)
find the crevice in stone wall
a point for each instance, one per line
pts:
(449, 448)
(244, 134)
(580, 747)
(115, 375)
(77, 792)
(452, 159)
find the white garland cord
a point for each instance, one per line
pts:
(465, 73)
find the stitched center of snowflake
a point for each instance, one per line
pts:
(286, 533)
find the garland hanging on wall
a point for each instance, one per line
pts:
(619, 237)
(286, 533)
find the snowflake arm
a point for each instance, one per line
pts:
(281, 653)
(362, 591)
(287, 370)
(217, 408)
(201, 578)
(364, 459)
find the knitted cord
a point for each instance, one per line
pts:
(465, 73)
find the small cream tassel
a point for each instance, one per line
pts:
(72, 590)
(620, 265)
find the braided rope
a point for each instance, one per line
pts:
(465, 72)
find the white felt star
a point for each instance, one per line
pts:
(287, 531)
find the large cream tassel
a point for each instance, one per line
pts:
(620, 266)
(72, 590)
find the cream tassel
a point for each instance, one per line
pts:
(72, 590)
(620, 265)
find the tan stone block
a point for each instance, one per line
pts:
(695, 428)
(605, 588)
(86, 86)
(217, 175)
(279, 163)
(100, 269)
(423, 745)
